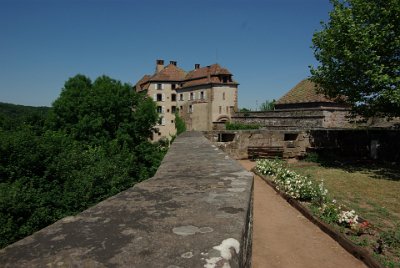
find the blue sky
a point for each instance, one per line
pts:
(265, 44)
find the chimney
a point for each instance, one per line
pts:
(159, 65)
(173, 62)
(197, 66)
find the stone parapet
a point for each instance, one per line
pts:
(327, 117)
(195, 212)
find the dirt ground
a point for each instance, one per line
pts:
(284, 238)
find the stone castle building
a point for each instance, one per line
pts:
(203, 97)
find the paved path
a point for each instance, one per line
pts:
(284, 238)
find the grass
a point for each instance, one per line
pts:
(366, 189)
(372, 190)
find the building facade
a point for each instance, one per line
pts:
(203, 97)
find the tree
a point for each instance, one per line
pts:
(179, 124)
(359, 55)
(94, 144)
(103, 111)
(267, 105)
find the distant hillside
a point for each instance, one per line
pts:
(13, 115)
(15, 110)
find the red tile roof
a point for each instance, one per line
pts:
(211, 70)
(169, 73)
(303, 92)
(206, 75)
(141, 83)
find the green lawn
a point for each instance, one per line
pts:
(372, 190)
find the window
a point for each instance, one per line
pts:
(181, 97)
(172, 121)
(181, 108)
(159, 86)
(163, 121)
(223, 96)
(190, 109)
(159, 97)
(173, 86)
(290, 136)
(173, 97)
(227, 109)
(191, 95)
(224, 79)
(220, 109)
(173, 109)
(202, 95)
(159, 109)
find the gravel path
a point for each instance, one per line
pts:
(284, 238)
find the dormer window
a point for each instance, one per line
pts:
(225, 79)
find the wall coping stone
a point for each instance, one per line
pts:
(195, 212)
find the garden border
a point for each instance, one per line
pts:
(347, 244)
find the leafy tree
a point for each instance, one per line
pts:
(94, 144)
(102, 111)
(179, 124)
(244, 110)
(267, 105)
(359, 55)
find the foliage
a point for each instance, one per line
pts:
(348, 218)
(391, 237)
(246, 112)
(295, 185)
(267, 105)
(240, 126)
(93, 145)
(328, 211)
(303, 188)
(359, 55)
(312, 157)
(13, 116)
(179, 124)
(102, 111)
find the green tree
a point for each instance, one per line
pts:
(102, 111)
(267, 105)
(179, 124)
(359, 55)
(94, 144)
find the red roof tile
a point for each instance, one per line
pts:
(303, 92)
(201, 76)
(140, 84)
(169, 73)
(211, 70)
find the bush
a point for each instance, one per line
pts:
(295, 185)
(241, 126)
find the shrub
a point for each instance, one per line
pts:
(241, 126)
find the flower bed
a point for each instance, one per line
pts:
(319, 207)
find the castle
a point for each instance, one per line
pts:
(204, 97)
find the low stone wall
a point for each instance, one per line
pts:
(296, 118)
(236, 142)
(379, 144)
(376, 144)
(196, 211)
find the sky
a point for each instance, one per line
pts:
(265, 44)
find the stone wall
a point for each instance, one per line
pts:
(236, 142)
(196, 210)
(379, 144)
(297, 118)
